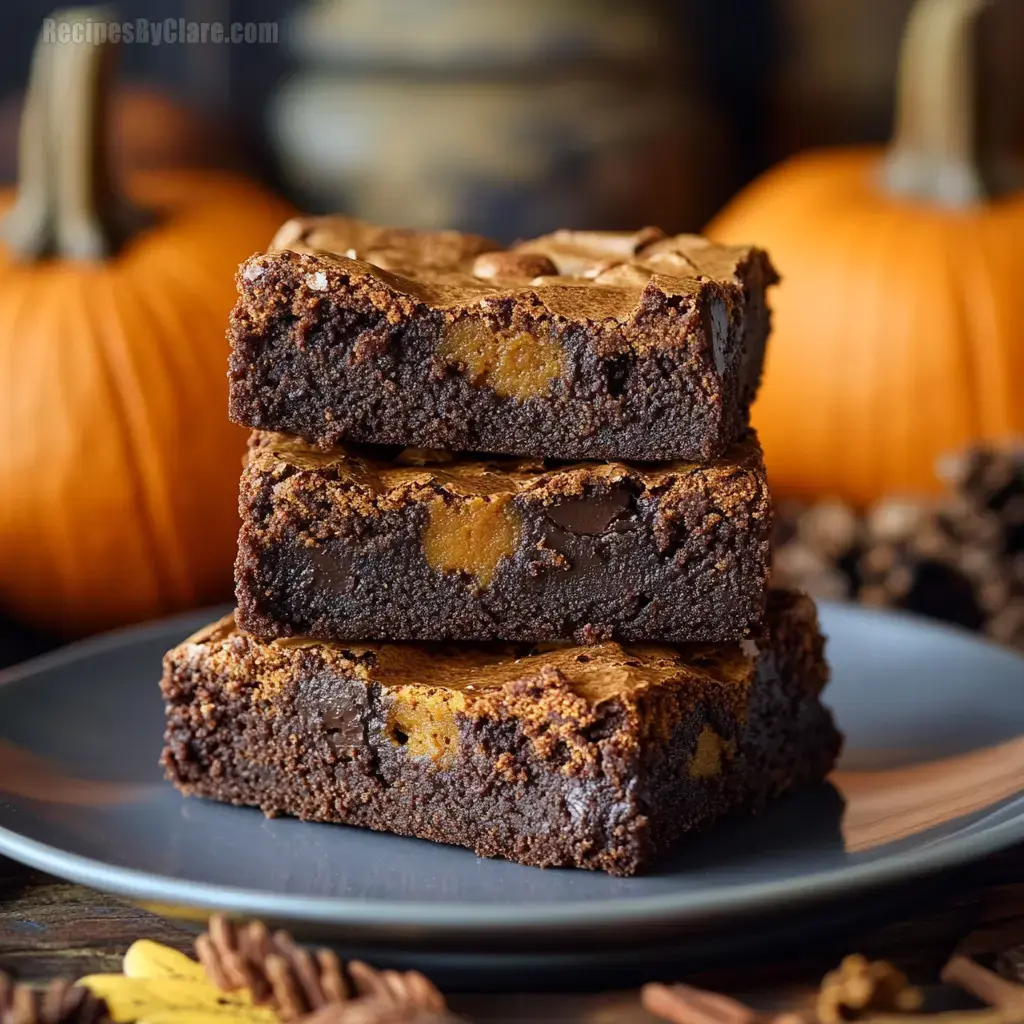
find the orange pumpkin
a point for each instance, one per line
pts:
(151, 130)
(118, 468)
(148, 130)
(899, 324)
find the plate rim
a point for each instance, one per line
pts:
(451, 919)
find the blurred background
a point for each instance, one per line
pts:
(893, 401)
(513, 117)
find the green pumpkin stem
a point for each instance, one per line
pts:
(67, 203)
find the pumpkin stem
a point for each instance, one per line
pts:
(67, 203)
(934, 154)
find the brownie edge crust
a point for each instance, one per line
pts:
(596, 757)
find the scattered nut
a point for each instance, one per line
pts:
(859, 985)
(525, 266)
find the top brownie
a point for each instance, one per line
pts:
(576, 345)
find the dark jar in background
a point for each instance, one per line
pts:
(509, 119)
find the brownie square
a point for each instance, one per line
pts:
(360, 544)
(596, 757)
(576, 345)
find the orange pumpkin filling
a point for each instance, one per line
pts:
(515, 365)
(471, 536)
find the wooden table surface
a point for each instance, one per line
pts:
(51, 928)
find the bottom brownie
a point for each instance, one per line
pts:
(595, 757)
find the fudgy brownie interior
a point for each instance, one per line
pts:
(357, 544)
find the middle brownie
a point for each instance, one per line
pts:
(379, 544)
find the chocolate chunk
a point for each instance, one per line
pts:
(593, 514)
(329, 571)
(343, 726)
(575, 556)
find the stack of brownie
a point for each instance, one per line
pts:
(502, 577)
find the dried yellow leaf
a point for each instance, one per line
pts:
(146, 959)
(200, 1017)
(174, 1000)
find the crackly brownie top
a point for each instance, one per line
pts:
(589, 275)
(478, 672)
(413, 471)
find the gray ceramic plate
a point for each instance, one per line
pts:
(933, 777)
